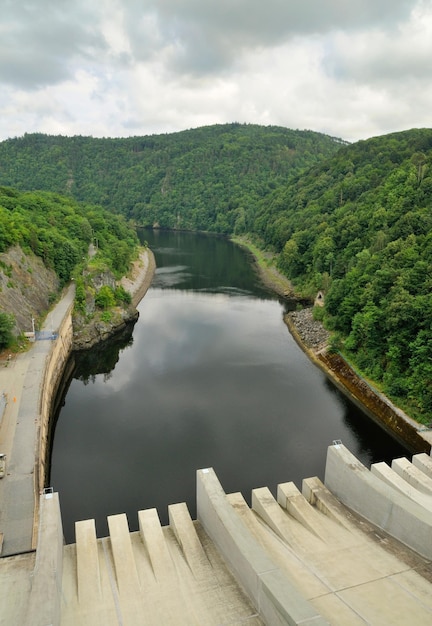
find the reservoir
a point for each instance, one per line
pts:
(209, 377)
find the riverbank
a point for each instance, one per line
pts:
(29, 383)
(264, 265)
(313, 338)
(139, 279)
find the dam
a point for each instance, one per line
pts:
(354, 550)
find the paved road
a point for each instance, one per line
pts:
(21, 379)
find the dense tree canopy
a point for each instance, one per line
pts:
(60, 230)
(353, 220)
(211, 178)
(359, 225)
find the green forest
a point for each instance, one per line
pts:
(210, 179)
(352, 220)
(59, 230)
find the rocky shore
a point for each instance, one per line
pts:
(313, 338)
(311, 332)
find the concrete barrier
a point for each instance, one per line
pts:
(424, 463)
(413, 475)
(274, 597)
(54, 369)
(392, 478)
(381, 504)
(44, 605)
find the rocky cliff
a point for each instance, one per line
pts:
(27, 287)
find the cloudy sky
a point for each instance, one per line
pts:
(352, 69)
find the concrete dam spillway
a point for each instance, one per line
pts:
(354, 550)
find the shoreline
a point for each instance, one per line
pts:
(29, 382)
(140, 277)
(415, 436)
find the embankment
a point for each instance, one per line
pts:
(311, 337)
(53, 373)
(141, 276)
(58, 357)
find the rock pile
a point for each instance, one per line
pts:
(311, 332)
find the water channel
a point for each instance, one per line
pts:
(210, 376)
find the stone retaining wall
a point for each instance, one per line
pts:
(409, 432)
(54, 369)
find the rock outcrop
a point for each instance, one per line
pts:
(27, 287)
(90, 333)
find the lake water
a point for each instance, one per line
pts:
(210, 377)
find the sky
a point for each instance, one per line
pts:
(117, 68)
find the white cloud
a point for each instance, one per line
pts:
(121, 67)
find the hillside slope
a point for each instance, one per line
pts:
(45, 240)
(209, 178)
(359, 227)
(27, 287)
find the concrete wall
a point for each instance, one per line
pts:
(276, 600)
(44, 606)
(379, 408)
(354, 485)
(55, 365)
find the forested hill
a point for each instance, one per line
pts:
(352, 220)
(44, 241)
(211, 178)
(359, 226)
(59, 230)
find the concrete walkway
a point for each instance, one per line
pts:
(21, 380)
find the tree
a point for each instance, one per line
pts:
(105, 298)
(7, 323)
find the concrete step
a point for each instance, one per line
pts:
(424, 462)
(88, 572)
(317, 494)
(413, 475)
(389, 476)
(123, 556)
(155, 544)
(290, 499)
(327, 528)
(184, 530)
(286, 527)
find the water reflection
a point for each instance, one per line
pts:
(212, 378)
(103, 358)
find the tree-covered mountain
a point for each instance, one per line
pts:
(352, 220)
(211, 178)
(359, 226)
